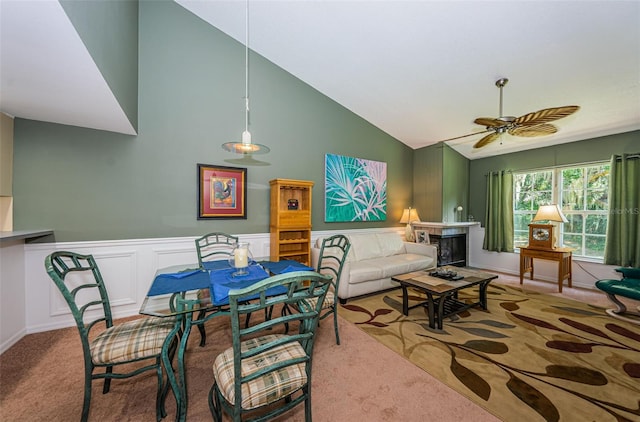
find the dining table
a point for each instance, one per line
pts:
(176, 292)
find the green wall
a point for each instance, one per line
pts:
(428, 174)
(109, 30)
(440, 182)
(455, 191)
(93, 185)
(596, 149)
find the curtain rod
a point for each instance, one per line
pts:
(531, 170)
(633, 155)
(583, 164)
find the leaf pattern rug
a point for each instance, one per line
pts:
(529, 357)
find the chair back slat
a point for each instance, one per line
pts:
(214, 246)
(333, 253)
(60, 265)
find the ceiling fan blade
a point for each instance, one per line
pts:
(489, 122)
(545, 115)
(533, 131)
(486, 140)
(464, 136)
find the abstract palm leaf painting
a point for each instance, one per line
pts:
(355, 189)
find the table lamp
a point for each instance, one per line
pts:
(547, 213)
(409, 215)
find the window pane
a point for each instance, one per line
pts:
(574, 241)
(596, 224)
(523, 182)
(594, 246)
(573, 200)
(521, 238)
(573, 179)
(597, 199)
(574, 225)
(521, 221)
(598, 177)
(541, 198)
(543, 181)
(523, 202)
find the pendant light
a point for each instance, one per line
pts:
(245, 146)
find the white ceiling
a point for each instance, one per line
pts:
(421, 71)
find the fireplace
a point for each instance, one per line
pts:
(452, 249)
(450, 239)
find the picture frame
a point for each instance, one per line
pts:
(222, 192)
(422, 236)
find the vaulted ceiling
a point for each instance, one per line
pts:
(421, 71)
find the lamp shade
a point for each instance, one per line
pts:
(409, 215)
(550, 213)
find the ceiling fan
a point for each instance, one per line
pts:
(528, 125)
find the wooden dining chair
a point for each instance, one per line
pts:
(142, 340)
(266, 372)
(211, 247)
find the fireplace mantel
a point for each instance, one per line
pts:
(443, 228)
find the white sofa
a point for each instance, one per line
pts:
(376, 257)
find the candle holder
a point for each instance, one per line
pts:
(240, 258)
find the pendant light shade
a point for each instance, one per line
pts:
(245, 146)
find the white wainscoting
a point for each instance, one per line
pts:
(128, 267)
(12, 294)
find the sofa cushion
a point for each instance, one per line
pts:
(404, 263)
(364, 246)
(363, 271)
(390, 243)
(335, 250)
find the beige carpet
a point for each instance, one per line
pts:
(360, 380)
(530, 357)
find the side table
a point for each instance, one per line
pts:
(561, 255)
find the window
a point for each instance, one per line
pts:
(582, 193)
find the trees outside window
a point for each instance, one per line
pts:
(582, 193)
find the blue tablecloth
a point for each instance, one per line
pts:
(218, 276)
(182, 281)
(223, 280)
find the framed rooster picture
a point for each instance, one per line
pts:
(222, 192)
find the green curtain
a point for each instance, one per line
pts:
(498, 217)
(623, 227)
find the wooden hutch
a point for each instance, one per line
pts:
(290, 220)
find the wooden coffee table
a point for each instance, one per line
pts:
(442, 295)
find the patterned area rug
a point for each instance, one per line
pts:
(529, 357)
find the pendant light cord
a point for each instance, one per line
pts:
(246, 69)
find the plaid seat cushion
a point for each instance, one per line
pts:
(328, 301)
(131, 340)
(269, 387)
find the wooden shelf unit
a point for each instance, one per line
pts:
(290, 228)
